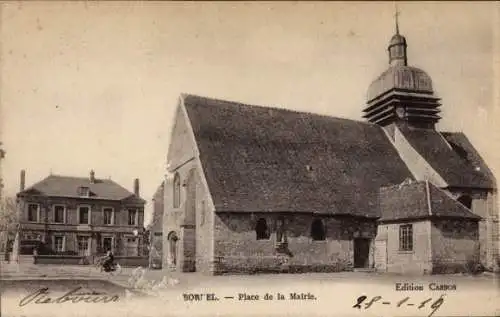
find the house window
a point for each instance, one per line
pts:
(466, 200)
(83, 191)
(406, 238)
(107, 244)
(262, 230)
(84, 215)
(177, 191)
(318, 230)
(58, 243)
(83, 245)
(132, 217)
(34, 213)
(108, 216)
(59, 214)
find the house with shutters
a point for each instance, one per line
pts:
(84, 216)
(251, 188)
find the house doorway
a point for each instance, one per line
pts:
(131, 246)
(361, 253)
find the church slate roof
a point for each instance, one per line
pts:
(67, 186)
(452, 156)
(464, 148)
(275, 160)
(420, 200)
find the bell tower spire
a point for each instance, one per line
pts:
(396, 15)
(402, 94)
(397, 46)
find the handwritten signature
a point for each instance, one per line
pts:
(434, 306)
(41, 296)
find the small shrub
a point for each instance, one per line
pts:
(473, 267)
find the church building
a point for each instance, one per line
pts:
(257, 189)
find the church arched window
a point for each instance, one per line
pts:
(261, 229)
(466, 200)
(177, 191)
(318, 230)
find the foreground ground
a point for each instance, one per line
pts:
(244, 295)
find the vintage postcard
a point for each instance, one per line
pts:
(249, 158)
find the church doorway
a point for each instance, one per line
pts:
(172, 248)
(361, 252)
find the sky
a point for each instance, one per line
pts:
(94, 85)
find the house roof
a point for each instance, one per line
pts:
(420, 200)
(269, 159)
(452, 156)
(67, 186)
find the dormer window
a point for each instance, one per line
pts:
(83, 191)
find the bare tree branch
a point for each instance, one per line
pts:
(9, 216)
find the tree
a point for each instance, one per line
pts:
(2, 156)
(9, 220)
(2, 152)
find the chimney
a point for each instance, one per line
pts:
(22, 180)
(136, 187)
(92, 176)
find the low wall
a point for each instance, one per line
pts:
(270, 264)
(132, 261)
(4, 256)
(61, 259)
(124, 261)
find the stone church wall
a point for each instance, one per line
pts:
(493, 238)
(455, 245)
(192, 221)
(238, 250)
(484, 204)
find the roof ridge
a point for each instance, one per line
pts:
(405, 183)
(449, 196)
(239, 103)
(78, 177)
(27, 188)
(428, 194)
(451, 132)
(66, 186)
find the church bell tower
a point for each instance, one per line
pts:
(402, 94)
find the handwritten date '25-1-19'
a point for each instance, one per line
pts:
(363, 302)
